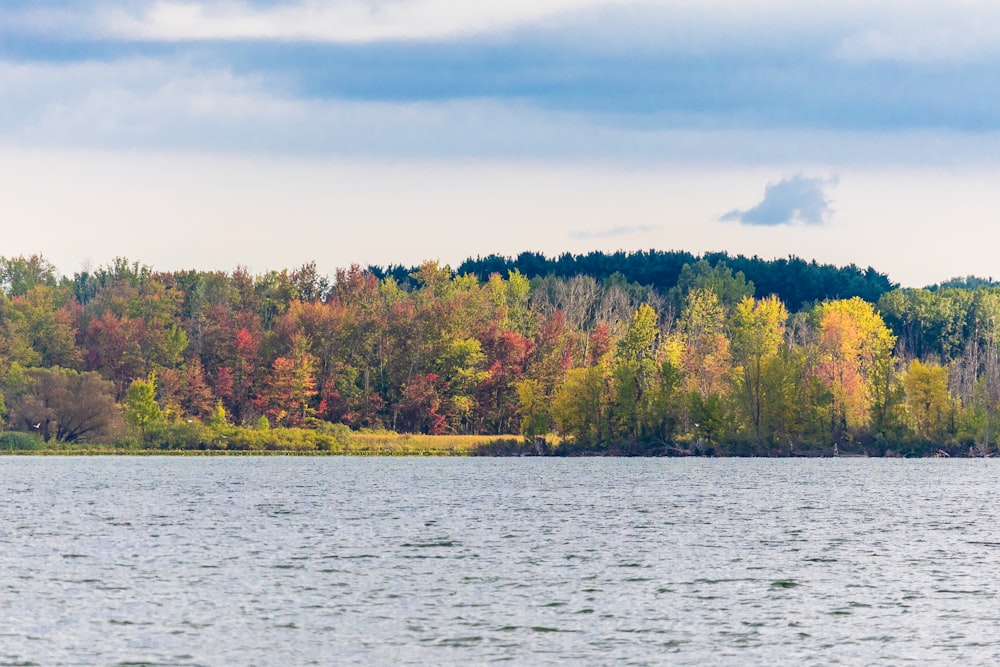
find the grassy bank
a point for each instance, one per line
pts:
(184, 440)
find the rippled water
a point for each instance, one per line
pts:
(294, 561)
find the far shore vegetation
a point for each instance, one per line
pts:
(648, 353)
(198, 440)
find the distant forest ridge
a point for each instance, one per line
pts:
(797, 282)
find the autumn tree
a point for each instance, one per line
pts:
(550, 358)
(757, 329)
(309, 285)
(856, 364)
(243, 369)
(289, 388)
(928, 403)
(421, 408)
(196, 397)
(706, 357)
(62, 404)
(114, 348)
(580, 404)
(496, 399)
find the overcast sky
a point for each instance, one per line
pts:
(264, 133)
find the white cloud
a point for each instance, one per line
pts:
(851, 30)
(924, 33)
(340, 21)
(856, 30)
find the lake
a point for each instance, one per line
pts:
(298, 561)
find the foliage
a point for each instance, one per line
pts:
(20, 442)
(758, 331)
(855, 362)
(794, 281)
(627, 353)
(140, 407)
(62, 404)
(927, 401)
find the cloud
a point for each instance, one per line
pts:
(795, 200)
(648, 66)
(924, 33)
(344, 21)
(185, 104)
(891, 30)
(613, 232)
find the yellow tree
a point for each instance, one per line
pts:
(579, 405)
(927, 399)
(757, 330)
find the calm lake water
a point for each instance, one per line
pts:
(296, 561)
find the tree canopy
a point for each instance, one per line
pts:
(655, 352)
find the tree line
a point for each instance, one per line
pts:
(793, 280)
(701, 360)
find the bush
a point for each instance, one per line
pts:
(181, 435)
(20, 442)
(194, 435)
(340, 433)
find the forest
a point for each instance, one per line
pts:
(648, 353)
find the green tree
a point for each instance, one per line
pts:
(15, 337)
(18, 275)
(728, 287)
(49, 326)
(929, 324)
(140, 406)
(536, 419)
(634, 371)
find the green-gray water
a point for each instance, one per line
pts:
(278, 561)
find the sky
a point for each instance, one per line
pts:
(267, 134)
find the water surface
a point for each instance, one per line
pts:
(281, 561)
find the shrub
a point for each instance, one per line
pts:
(181, 435)
(20, 442)
(341, 433)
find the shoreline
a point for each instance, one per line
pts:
(428, 453)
